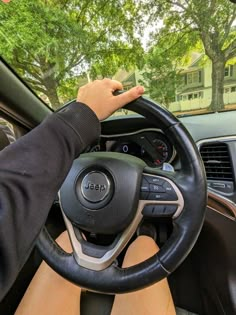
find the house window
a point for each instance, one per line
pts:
(233, 89)
(189, 78)
(191, 96)
(194, 77)
(229, 71)
(226, 90)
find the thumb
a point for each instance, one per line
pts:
(128, 96)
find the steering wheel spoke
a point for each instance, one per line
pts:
(97, 257)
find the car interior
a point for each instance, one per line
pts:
(177, 174)
(205, 282)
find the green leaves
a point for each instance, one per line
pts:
(50, 41)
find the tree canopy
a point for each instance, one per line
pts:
(50, 42)
(55, 45)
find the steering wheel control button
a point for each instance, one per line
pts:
(170, 191)
(155, 180)
(158, 196)
(95, 186)
(145, 185)
(170, 210)
(153, 211)
(157, 188)
(159, 210)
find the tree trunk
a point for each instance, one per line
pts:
(53, 98)
(166, 102)
(51, 88)
(218, 71)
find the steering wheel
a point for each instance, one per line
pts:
(110, 193)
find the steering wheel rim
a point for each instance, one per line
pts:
(191, 183)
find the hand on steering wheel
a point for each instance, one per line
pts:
(98, 95)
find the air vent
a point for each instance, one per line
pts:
(217, 161)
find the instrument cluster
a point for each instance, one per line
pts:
(151, 145)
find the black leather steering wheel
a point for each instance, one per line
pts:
(110, 193)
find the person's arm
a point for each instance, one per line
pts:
(34, 167)
(31, 172)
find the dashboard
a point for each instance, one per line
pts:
(142, 138)
(149, 144)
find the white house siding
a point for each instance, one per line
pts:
(230, 98)
(207, 74)
(194, 103)
(189, 105)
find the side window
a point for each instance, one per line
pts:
(6, 129)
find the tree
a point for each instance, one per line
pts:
(210, 21)
(113, 60)
(68, 88)
(160, 77)
(51, 41)
(163, 65)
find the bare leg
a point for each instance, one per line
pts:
(48, 293)
(154, 300)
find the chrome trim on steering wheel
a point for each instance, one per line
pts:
(108, 258)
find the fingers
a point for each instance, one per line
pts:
(98, 95)
(115, 85)
(129, 96)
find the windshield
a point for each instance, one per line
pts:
(183, 52)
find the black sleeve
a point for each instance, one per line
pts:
(31, 172)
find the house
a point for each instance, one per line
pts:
(196, 88)
(128, 78)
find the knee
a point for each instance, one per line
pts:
(144, 243)
(64, 242)
(141, 249)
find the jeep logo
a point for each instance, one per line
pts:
(93, 186)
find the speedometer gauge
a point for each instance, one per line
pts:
(161, 152)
